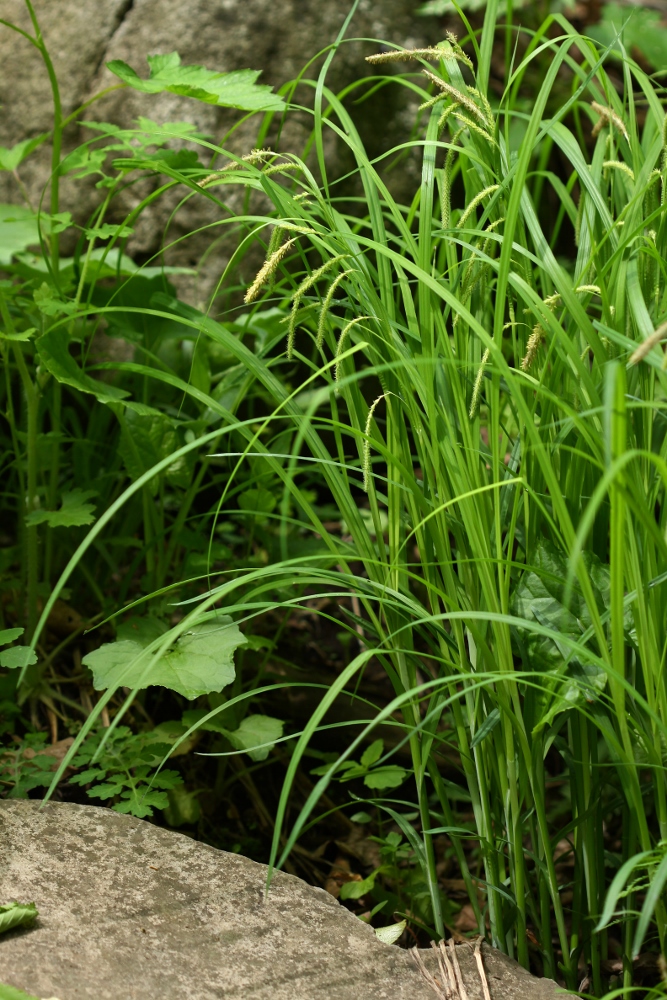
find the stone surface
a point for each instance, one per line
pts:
(130, 911)
(276, 38)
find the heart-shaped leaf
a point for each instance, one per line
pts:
(198, 662)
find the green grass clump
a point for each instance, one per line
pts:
(474, 381)
(486, 380)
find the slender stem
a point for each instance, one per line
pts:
(57, 133)
(32, 540)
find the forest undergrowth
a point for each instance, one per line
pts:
(360, 568)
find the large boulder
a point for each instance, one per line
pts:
(130, 911)
(276, 38)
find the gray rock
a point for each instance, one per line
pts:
(129, 910)
(276, 38)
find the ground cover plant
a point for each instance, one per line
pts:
(431, 433)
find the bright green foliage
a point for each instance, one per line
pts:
(10, 159)
(13, 993)
(18, 230)
(10, 634)
(17, 915)
(376, 776)
(197, 661)
(74, 511)
(15, 656)
(231, 90)
(256, 734)
(120, 766)
(639, 29)
(448, 415)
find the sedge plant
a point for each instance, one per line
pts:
(485, 407)
(475, 379)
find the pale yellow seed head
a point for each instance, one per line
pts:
(532, 347)
(608, 117)
(267, 270)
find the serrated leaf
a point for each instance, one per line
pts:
(84, 160)
(17, 915)
(47, 301)
(17, 657)
(199, 662)
(140, 803)
(231, 90)
(107, 231)
(390, 934)
(106, 790)
(11, 158)
(254, 731)
(74, 511)
(372, 753)
(10, 635)
(91, 774)
(18, 335)
(60, 221)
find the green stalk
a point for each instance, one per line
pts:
(57, 134)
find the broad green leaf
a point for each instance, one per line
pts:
(17, 915)
(141, 630)
(231, 90)
(13, 993)
(183, 807)
(361, 817)
(10, 635)
(257, 501)
(74, 511)
(102, 263)
(199, 662)
(388, 776)
(254, 731)
(17, 657)
(53, 348)
(372, 753)
(147, 440)
(11, 158)
(18, 230)
(390, 934)
(355, 890)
